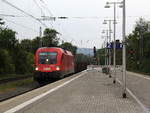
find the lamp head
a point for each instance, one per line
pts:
(114, 22)
(121, 6)
(103, 31)
(104, 22)
(107, 3)
(111, 31)
(107, 6)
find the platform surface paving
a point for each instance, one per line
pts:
(93, 92)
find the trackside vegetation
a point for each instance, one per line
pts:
(138, 49)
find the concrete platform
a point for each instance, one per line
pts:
(91, 92)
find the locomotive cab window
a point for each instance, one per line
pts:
(47, 58)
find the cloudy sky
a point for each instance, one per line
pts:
(84, 25)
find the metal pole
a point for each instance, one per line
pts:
(40, 35)
(114, 43)
(124, 48)
(109, 48)
(105, 53)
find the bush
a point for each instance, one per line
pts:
(145, 66)
(23, 62)
(30, 62)
(6, 64)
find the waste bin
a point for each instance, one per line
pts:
(106, 70)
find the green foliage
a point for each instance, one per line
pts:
(68, 46)
(145, 66)
(6, 64)
(50, 38)
(35, 44)
(147, 45)
(82, 58)
(7, 38)
(30, 45)
(138, 41)
(27, 45)
(14, 57)
(1, 23)
(141, 26)
(23, 61)
(101, 56)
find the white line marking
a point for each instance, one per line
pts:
(138, 75)
(19, 107)
(138, 101)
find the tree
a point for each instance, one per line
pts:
(68, 46)
(1, 23)
(27, 45)
(7, 38)
(50, 38)
(36, 43)
(23, 61)
(30, 45)
(15, 57)
(141, 26)
(138, 42)
(101, 56)
(6, 63)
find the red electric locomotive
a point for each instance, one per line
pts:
(52, 62)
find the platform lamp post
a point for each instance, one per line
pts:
(105, 52)
(124, 46)
(107, 36)
(123, 6)
(110, 31)
(114, 45)
(104, 46)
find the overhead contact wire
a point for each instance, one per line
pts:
(24, 12)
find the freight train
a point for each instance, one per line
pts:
(53, 62)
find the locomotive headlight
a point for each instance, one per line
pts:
(57, 68)
(36, 68)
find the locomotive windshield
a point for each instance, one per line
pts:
(47, 58)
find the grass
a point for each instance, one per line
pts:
(13, 85)
(136, 71)
(6, 76)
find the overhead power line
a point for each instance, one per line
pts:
(96, 17)
(46, 7)
(24, 12)
(63, 17)
(21, 25)
(7, 15)
(38, 6)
